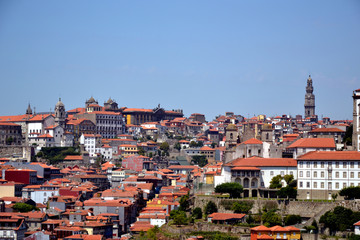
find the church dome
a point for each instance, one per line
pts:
(91, 99)
(110, 100)
(231, 127)
(59, 103)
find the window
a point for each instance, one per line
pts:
(337, 185)
(271, 173)
(282, 173)
(322, 164)
(351, 184)
(301, 173)
(301, 164)
(344, 175)
(301, 184)
(352, 175)
(308, 184)
(322, 184)
(307, 173)
(308, 164)
(322, 174)
(351, 164)
(315, 184)
(344, 185)
(329, 185)
(337, 174)
(315, 174)
(344, 165)
(315, 164)
(337, 164)
(291, 173)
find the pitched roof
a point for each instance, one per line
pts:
(322, 130)
(313, 143)
(205, 148)
(262, 162)
(252, 141)
(226, 216)
(333, 155)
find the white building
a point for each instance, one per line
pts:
(92, 143)
(39, 122)
(323, 173)
(255, 173)
(42, 196)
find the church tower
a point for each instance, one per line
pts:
(60, 114)
(356, 120)
(29, 110)
(309, 99)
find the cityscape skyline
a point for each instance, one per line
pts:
(244, 57)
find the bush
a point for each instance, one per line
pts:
(339, 219)
(210, 208)
(292, 219)
(233, 188)
(271, 218)
(23, 207)
(197, 213)
(242, 207)
(350, 192)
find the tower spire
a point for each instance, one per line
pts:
(309, 99)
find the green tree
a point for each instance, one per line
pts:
(339, 219)
(180, 218)
(197, 213)
(200, 160)
(152, 232)
(242, 207)
(23, 207)
(193, 144)
(287, 192)
(233, 188)
(213, 145)
(271, 218)
(164, 146)
(184, 203)
(276, 182)
(177, 146)
(292, 219)
(210, 208)
(141, 151)
(350, 192)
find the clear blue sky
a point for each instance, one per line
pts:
(249, 57)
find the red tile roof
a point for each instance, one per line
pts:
(226, 216)
(262, 162)
(333, 155)
(323, 130)
(252, 141)
(313, 143)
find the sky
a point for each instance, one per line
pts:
(209, 57)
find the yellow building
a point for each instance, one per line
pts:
(276, 232)
(128, 150)
(7, 190)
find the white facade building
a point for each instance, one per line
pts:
(323, 173)
(92, 143)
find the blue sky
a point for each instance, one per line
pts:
(249, 57)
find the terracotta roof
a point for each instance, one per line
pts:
(73, 158)
(246, 168)
(260, 228)
(357, 223)
(137, 110)
(313, 143)
(333, 155)
(252, 141)
(262, 162)
(322, 130)
(205, 148)
(226, 216)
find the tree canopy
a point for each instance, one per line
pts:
(350, 192)
(200, 160)
(210, 208)
(23, 207)
(339, 219)
(233, 188)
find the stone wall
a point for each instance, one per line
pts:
(10, 151)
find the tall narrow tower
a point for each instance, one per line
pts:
(60, 114)
(356, 120)
(309, 99)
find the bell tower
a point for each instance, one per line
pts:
(60, 114)
(309, 99)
